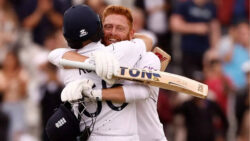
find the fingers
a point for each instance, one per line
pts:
(88, 84)
(110, 81)
(110, 67)
(101, 64)
(106, 64)
(116, 67)
(73, 91)
(113, 68)
(63, 95)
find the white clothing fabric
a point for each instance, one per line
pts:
(108, 123)
(149, 125)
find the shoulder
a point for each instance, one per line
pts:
(150, 61)
(185, 4)
(151, 57)
(130, 42)
(182, 7)
(128, 46)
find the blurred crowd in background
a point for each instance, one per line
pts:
(207, 39)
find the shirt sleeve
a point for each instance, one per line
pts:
(134, 92)
(56, 54)
(141, 91)
(149, 61)
(128, 52)
(180, 8)
(214, 11)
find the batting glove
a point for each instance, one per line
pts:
(106, 65)
(93, 94)
(74, 90)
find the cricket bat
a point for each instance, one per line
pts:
(163, 56)
(159, 79)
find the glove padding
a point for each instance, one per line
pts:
(106, 65)
(75, 90)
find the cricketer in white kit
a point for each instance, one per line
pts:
(146, 97)
(149, 126)
(113, 121)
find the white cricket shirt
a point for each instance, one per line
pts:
(149, 125)
(114, 121)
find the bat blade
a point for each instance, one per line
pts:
(163, 56)
(159, 79)
(165, 80)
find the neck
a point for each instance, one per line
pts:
(86, 42)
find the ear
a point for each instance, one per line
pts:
(131, 34)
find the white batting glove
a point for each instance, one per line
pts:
(93, 94)
(106, 65)
(73, 91)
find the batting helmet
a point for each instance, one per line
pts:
(81, 23)
(63, 125)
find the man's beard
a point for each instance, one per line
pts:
(106, 42)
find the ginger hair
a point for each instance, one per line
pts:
(119, 10)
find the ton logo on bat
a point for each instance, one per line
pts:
(141, 74)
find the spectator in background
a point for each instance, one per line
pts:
(226, 43)
(8, 28)
(242, 107)
(13, 86)
(97, 5)
(54, 39)
(165, 106)
(241, 9)
(234, 56)
(139, 24)
(196, 21)
(41, 16)
(224, 11)
(51, 95)
(220, 84)
(232, 9)
(203, 119)
(157, 20)
(4, 125)
(38, 72)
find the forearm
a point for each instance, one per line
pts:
(74, 56)
(179, 25)
(31, 21)
(136, 91)
(114, 94)
(64, 53)
(214, 33)
(55, 18)
(127, 93)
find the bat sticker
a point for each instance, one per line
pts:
(141, 74)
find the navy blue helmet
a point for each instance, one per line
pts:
(81, 23)
(63, 125)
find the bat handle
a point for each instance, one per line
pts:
(76, 64)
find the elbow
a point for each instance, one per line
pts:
(52, 56)
(173, 26)
(149, 43)
(175, 23)
(56, 54)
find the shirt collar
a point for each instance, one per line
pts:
(91, 47)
